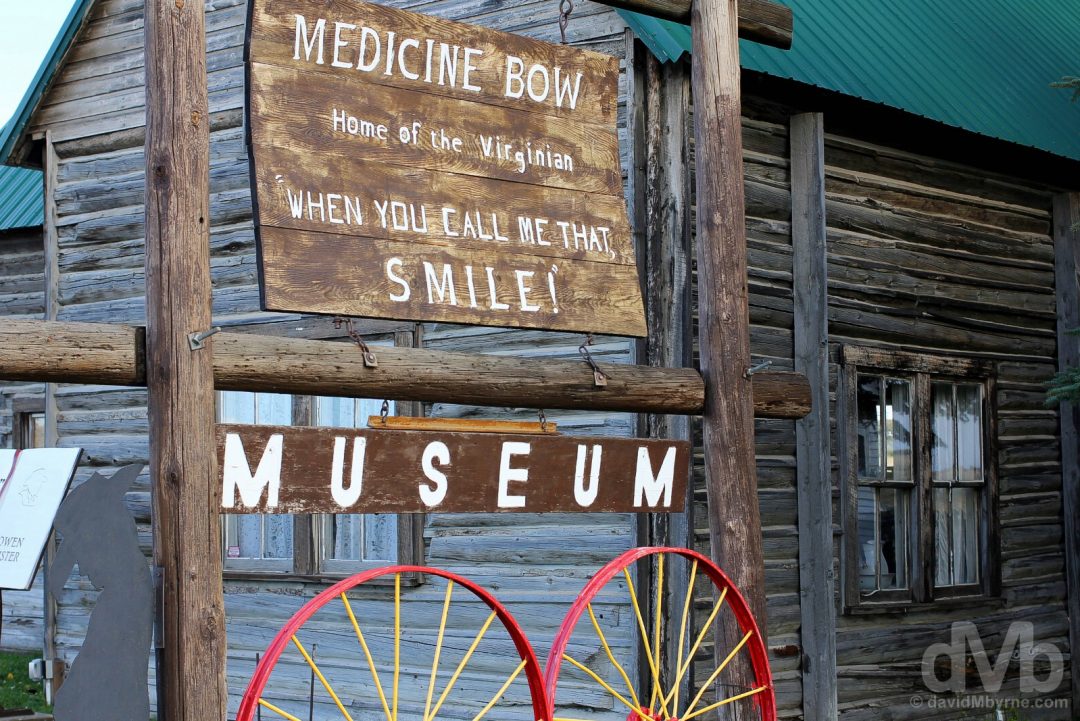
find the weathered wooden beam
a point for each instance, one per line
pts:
(1067, 285)
(813, 449)
(761, 21)
(724, 321)
(99, 353)
(180, 381)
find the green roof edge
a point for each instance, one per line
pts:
(9, 136)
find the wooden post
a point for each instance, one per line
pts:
(813, 453)
(180, 381)
(1067, 284)
(723, 309)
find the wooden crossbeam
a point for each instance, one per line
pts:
(106, 354)
(760, 21)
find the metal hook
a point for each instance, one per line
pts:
(599, 377)
(565, 8)
(757, 368)
(370, 361)
(196, 340)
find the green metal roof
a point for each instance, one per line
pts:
(13, 131)
(22, 203)
(982, 65)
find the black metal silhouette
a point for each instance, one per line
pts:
(108, 679)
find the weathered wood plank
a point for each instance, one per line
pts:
(760, 21)
(810, 285)
(110, 355)
(1067, 288)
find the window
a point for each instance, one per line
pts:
(918, 476)
(27, 423)
(319, 545)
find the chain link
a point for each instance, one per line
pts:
(370, 361)
(543, 420)
(384, 411)
(599, 377)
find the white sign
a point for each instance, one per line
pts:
(32, 485)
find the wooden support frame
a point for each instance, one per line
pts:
(1067, 285)
(813, 449)
(105, 354)
(180, 379)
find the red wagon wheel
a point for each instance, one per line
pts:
(659, 700)
(332, 607)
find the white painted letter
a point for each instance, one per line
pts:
(405, 290)
(435, 451)
(365, 33)
(649, 486)
(342, 497)
(443, 288)
(339, 44)
(236, 474)
(309, 45)
(514, 69)
(586, 496)
(508, 474)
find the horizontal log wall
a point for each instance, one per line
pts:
(928, 256)
(22, 295)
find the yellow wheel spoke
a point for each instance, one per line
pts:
(716, 674)
(611, 656)
(461, 667)
(500, 692)
(657, 691)
(726, 701)
(438, 647)
(682, 638)
(397, 638)
(322, 679)
(275, 709)
(644, 633)
(592, 674)
(701, 637)
(367, 655)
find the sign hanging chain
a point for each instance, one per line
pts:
(370, 361)
(599, 377)
(543, 420)
(565, 8)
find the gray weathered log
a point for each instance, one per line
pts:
(1067, 249)
(107, 354)
(761, 21)
(813, 448)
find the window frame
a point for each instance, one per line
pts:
(22, 411)
(308, 528)
(923, 370)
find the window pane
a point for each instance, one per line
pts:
(348, 533)
(273, 409)
(249, 536)
(336, 412)
(35, 435)
(868, 551)
(892, 520)
(380, 536)
(969, 432)
(898, 430)
(237, 407)
(868, 420)
(942, 427)
(965, 531)
(942, 537)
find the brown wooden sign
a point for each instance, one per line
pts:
(415, 168)
(281, 469)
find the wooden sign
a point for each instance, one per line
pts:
(285, 469)
(415, 168)
(32, 485)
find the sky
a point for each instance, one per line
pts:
(27, 29)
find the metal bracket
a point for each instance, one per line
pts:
(159, 607)
(195, 340)
(370, 360)
(599, 378)
(757, 368)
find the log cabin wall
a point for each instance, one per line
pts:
(94, 113)
(930, 257)
(22, 295)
